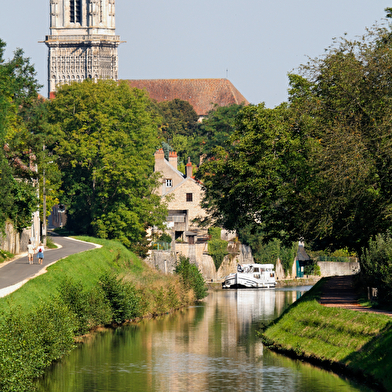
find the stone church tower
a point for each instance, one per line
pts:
(82, 42)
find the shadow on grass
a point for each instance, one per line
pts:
(313, 294)
(375, 357)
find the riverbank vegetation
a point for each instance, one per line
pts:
(318, 166)
(106, 286)
(346, 341)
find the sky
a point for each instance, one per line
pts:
(254, 43)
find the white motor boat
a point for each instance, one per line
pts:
(251, 275)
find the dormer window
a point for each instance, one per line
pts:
(74, 11)
(169, 183)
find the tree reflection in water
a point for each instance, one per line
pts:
(207, 347)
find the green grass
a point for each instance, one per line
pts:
(358, 342)
(4, 255)
(103, 286)
(87, 266)
(50, 243)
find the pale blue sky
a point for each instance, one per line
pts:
(258, 41)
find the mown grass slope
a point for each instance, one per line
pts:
(40, 321)
(354, 342)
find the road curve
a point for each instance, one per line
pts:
(17, 272)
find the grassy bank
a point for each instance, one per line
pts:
(346, 341)
(40, 321)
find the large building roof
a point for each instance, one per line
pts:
(202, 94)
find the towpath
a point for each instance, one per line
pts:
(339, 291)
(17, 272)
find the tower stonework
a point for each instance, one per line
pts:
(82, 42)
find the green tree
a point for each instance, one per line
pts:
(346, 97)
(263, 179)
(376, 265)
(179, 118)
(318, 167)
(217, 248)
(18, 92)
(191, 277)
(217, 128)
(105, 138)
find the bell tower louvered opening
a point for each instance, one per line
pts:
(75, 11)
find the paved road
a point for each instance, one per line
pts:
(17, 272)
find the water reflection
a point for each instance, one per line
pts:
(210, 347)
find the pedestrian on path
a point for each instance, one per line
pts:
(30, 252)
(40, 254)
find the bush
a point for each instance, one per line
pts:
(4, 255)
(376, 265)
(91, 308)
(164, 237)
(312, 268)
(287, 256)
(217, 248)
(26, 348)
(191, 277)
(122, 297)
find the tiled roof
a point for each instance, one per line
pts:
(202, 94)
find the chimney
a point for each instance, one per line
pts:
(159, 154)
(159, 160)
(173, 159)
(188, 168)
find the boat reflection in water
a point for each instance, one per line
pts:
(209, 347)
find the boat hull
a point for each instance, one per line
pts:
(251, 276)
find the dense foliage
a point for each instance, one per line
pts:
(105, 136)
(376, 266)
(110, 285)
(318, 167)
(181, 131)
(217, 248)
(268, 252)
(18, 141)
(191, 277)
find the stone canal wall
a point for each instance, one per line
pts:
(336, 268)
(165, 261)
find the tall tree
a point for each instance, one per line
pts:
(320, 166)
(217, 128)
(179, 118)
(18, 91)
(263, 178)
(105, 138)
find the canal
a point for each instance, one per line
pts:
(208, 347)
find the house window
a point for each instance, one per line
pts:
(74, 11)
(189, 197)
(169, 183)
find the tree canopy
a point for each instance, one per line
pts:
(318, 167)
(105, 137)
(18, 94)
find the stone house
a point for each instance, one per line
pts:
(184, 195)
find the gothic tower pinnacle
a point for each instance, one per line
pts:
(82, 42)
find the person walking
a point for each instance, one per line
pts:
(30, 252)
(40, 254)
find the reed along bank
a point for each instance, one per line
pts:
(349, 342)
(43, 320)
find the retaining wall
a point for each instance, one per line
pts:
(337, 268)
(14, 242)
(165, 261)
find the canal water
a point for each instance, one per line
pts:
(208, 347)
